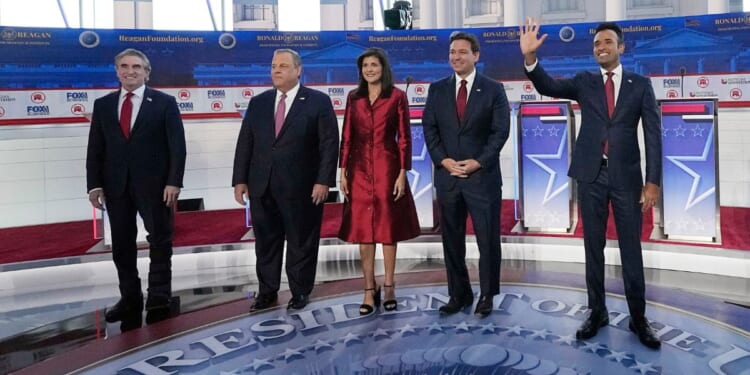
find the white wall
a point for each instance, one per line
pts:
(43, 172)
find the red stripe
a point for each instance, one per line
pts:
(684, 108)
(541, 110)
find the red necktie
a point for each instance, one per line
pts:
(126, 112)
(461, 100)
(279, 118)
(609, 92)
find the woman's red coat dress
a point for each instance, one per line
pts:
(375, 146)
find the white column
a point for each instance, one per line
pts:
(427, 14)
(616, 10)
(133, 14)
(512, 13)
(717, 6)
(442, 14)
(300, 15)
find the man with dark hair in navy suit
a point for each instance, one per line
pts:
(135, 161)
(607, 165)
(466, 122)
(285, 161)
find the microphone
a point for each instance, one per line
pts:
(408, 80)
(683, 70)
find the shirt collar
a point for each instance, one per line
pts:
(617, 70)
(291, 93)
(469, 79)
(137, 92)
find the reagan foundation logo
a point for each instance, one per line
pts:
(530, 331)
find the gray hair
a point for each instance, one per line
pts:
(136, 53)
(295, 56)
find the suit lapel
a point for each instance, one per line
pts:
(146, 105)
(472, 99)
(297, 105)
(626, 89)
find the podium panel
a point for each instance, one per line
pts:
(546, 133)
(420, 177)
(690, 198)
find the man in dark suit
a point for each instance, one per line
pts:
(607, 165)
(466, 122)
(134, 165)
(285, 161)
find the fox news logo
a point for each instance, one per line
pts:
(217, 105)
(247, 93)
(702, 82)
(671, 82)
(37, 110)
(79, 96)
(185, 106)
(335, 91)
(418, 100)
(217, 94)
(38, 97)
(183, 95)
(77, 109)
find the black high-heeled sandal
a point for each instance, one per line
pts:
(390, 304)
(365, 309)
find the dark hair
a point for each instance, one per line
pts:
(386, 79)
(611, 26)
(471, 38)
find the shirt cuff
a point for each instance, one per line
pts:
(532, 66)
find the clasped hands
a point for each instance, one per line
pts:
(460, 168)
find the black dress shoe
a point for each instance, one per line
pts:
(264, 301)
(645, 334)
(591, 326)
(484, 306)
(124, 308)
(455, 305)
(298, 302)
(158, 309)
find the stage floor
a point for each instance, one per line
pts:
(52, 321)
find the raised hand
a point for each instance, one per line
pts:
(530, 40)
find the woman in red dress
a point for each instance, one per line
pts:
(375, 155)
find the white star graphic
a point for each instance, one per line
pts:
(463, 327)
(539, 334)
(536, 159)
(618, 356)
(568, 339)
(434, 327)
(538, 131)
(643, 368)
(679, 131)
(666, 132)
(290, 354)
(380, 333)
(515, 330)
(489, 328)
(408, 328)
(259, 363)
(678, 161)
(592, 347)
(553, 131)
(320, 344)
(697, 131)
(350, 337)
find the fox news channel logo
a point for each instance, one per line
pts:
(669, 83)
(217, 94)
(37, 110)
(186, 106)
(77, 96)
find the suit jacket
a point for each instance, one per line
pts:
(480, 136)
(635, 102)
(305, 152)
(153, 156)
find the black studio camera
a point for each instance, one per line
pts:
(399, 17)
